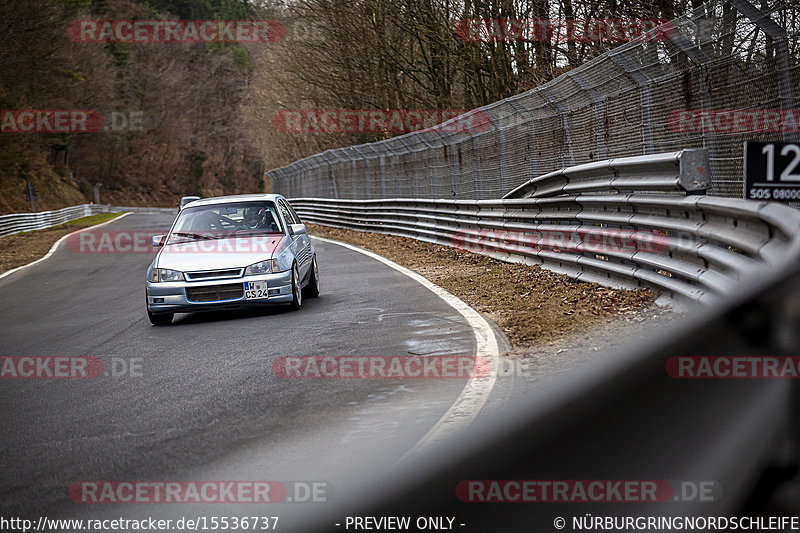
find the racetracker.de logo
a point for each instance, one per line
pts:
(141, 242)
(380, 121)
(564, 491)
(585, 240)
(177, 492)
(565, 30)
(734, 121)
(50, 121)
(733, 367)
(69, 367)
(50, 367)
(382, 367)
(176, 31)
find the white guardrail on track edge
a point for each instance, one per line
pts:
(18, 222)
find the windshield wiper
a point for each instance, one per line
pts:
(257, 231)
(193, 235)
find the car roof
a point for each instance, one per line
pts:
(236, 198)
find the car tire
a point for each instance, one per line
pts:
(160, 319)
(312, 289)
(297, 291)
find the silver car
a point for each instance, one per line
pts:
(228, 253)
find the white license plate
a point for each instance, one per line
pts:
(255, 290)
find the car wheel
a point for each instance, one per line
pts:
(312, 289)
(160, 319)
(297, 292)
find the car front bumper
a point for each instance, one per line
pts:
(176, 296)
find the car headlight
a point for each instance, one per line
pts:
(165, 274)
(262, 267)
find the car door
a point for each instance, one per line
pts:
(301, 244)
(308, 251)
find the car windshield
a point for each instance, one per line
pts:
(222, 220)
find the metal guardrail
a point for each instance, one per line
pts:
(693, 247)
(19, 222)
(160, 210)
(685, 171)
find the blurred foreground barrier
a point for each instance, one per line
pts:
(625, 416)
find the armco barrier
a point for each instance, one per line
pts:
(18, 222)
(154, 210)
(686, 171)
(694, 247)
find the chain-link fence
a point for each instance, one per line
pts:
(725, 73)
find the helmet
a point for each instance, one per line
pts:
(255, 217)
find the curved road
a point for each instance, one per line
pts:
(203, 402)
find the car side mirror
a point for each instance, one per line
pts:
(159, 240)
(298, 229)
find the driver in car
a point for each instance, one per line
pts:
(258, 218)
(255, 218)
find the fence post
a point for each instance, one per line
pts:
(643, 82)
(544, 90)
(599, 104)
(697, 56)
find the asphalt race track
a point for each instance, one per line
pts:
(202, 401)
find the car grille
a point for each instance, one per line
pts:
(207, 274)
(213, 293)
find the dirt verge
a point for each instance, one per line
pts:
(22, 248)
(533, 306)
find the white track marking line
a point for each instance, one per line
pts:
(476, 392)
(59, 241)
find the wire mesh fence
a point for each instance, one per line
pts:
(725, 73)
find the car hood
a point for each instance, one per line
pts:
(234, 252)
